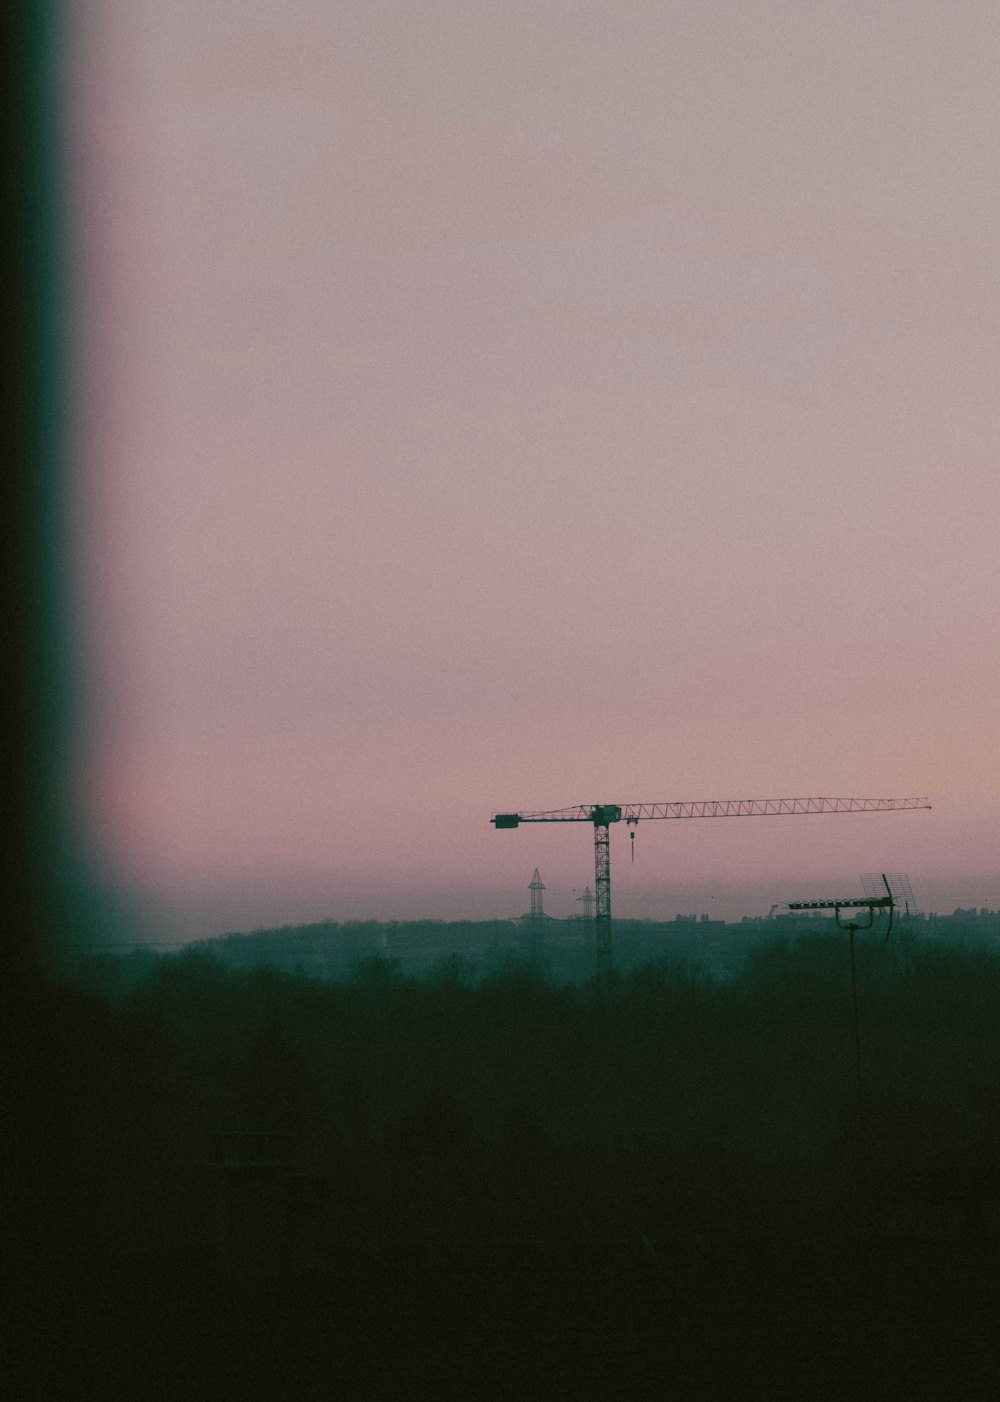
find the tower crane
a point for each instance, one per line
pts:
(602, 815)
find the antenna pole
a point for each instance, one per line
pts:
(862, 1170)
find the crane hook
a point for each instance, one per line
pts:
(631, 820)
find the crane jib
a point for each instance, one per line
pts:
(600, 814)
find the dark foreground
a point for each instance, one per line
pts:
(287, 1123)
(914, 1319)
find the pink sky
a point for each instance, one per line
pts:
(485, 406)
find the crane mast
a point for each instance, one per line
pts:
(602, 815)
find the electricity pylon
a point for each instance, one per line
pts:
(602, 815)
(537, 916)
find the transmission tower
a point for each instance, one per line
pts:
(536, 917)
(588, 904)
(602, 815)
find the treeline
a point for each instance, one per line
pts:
(464, 1106)
(328, 949)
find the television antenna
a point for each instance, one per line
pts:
(874, 902)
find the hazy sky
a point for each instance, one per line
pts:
(484, 406)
